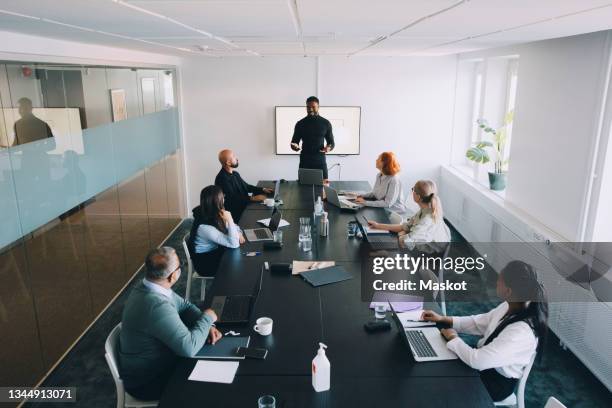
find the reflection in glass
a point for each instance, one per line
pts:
(134, 221)
(59, 283)
(101, 222)
(20, 352)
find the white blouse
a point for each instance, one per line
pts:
(509, 353)
(423, 228)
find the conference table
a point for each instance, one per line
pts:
(367, 369)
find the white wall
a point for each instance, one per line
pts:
(406, 107)
(558, 105)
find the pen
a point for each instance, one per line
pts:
(313, 265)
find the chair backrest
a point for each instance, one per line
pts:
(554, 403)
(520, 391)
(395, 218)
(111, 356)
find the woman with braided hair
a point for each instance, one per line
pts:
(511, 333)
(427, 225)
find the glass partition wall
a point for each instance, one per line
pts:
(89, 182)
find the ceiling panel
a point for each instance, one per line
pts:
(363, 17)
(486, 16)
(228, 17)
(97, 14)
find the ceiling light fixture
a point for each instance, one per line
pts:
(412, 24)
(297, 22)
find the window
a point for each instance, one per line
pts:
(486, 89)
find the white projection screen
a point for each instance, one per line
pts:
(345, 120)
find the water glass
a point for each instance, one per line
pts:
(278, 236)
(351, 229)
(380, 311)
(267, 401)
(304, 232)
(307, 243)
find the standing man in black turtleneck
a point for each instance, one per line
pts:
(315, 133)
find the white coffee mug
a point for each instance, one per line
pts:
(263, 326)
(269, 202)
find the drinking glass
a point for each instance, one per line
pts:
(267, 401)
(278, 236)
(380, 311)
(307, 241)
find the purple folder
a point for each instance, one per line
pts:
(400, 302)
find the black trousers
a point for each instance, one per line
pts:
(314, 161)
(498, 386)
(153, 389)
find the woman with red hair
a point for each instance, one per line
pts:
(388, 191)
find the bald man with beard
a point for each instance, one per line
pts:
(236, 190)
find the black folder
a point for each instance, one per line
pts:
(325, 276)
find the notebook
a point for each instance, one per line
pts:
(214, 371)
(224, 349)
(325, 276)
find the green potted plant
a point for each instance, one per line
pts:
(479, 152)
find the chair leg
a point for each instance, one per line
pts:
(203, 289)
(188, 289)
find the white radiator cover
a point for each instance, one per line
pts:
(482, 217)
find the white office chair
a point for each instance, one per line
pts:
(192, 273)
(554, 403)
(395, 218)
(517, 399)
(124, 400)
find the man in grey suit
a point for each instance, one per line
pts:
(158, 326)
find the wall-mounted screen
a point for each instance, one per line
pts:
(345, 120)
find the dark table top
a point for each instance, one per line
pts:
(368, 370)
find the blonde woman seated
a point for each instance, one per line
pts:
(427, 225)
(388, 191)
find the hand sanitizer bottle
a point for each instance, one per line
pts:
(321, 370)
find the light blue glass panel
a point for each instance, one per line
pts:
(9, 216)
(95, 165)
(142, 141)
(45, 182)
(53, 175)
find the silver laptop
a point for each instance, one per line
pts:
(264, 234)
(310, 176)
(426, 343)
(340, 202)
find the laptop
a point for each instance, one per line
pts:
(236, 308)
(264, 234)
(310, 176)
(340, 202)
(426, 343)
(376, 241)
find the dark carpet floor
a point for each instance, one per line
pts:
(559, 374)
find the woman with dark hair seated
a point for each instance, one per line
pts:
(511, 333)
(213, 230)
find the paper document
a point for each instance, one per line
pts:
(412, 318)
(372, 231)
(214, 371)
(303, 266)
(266, 222)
